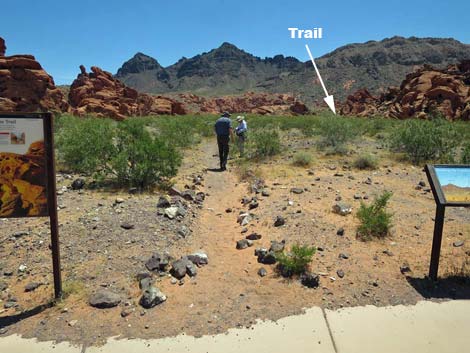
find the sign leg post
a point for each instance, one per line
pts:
(436, 242)
(52, 204)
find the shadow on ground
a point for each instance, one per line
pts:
(6, 321)
(215, 170)
(452, 287)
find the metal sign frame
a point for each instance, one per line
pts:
(51, 191)
(441, 204)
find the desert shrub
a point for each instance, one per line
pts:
(377, 125)
(365, 161)
(424, 141)
(302, 159)
(305, 124)
(265, 143)
(72, 287)
(142, 160)
(126, 152)
(179, 131)
(374, 219)
(296, 260)
(335, 133)
(465, 157)
(84, 145)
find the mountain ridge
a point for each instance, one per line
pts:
(228, 70)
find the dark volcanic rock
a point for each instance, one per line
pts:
(198, 258)
(151, 297)
(280, 221)
(32, 286)
(78, 184)
(277, 246)
(158, 262)
(243, 244)
(103, 299)
(267, 258)
(181, 267)
(254, 236)
(310, 280)
(163, 202)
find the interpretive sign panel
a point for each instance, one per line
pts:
(23, 170)
(450, 186)
(27, 175)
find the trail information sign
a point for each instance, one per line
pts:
(450, 185)
(27, 174)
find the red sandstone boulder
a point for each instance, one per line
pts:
(424, 92)
(100, 94)
(26, 87)
(3, 47)
(361, 103)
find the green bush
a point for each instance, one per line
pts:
(365, 161)
(374, 219)
(265, 143)
(84, 145)
(126, 152)
(375, 126)
(465, 158)
(141, 159)
(179, 131)
(336, 132)
(296, 260)
(424, 141)
(302, 159)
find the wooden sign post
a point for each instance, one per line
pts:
(27, 179)
(450, 185)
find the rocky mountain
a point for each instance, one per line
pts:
(225, 70)
(375, 65)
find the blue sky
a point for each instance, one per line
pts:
(64, 34)
(456, 176)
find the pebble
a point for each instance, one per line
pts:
(280, 221)
(127, 226)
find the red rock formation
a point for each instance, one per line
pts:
(3, 47)
(253, 103)
(99, 93)
(22, 183)
(361, 103)
(429, 90)
(424, 92)
(26, 87)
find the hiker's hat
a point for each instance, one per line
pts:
(226, 114)
(239, 118)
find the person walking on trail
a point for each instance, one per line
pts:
(241, 131)
(223, 129)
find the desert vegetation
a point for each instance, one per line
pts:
(146, 151)
(375, 220)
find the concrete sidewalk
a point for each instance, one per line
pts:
(426, 327)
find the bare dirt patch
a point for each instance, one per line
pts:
(228, 292)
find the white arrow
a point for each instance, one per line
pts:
(328, 99)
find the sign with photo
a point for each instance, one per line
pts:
(23, 169)
(455, 183)
(450, 185)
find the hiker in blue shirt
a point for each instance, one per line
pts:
(223, 129)
(241, 131)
